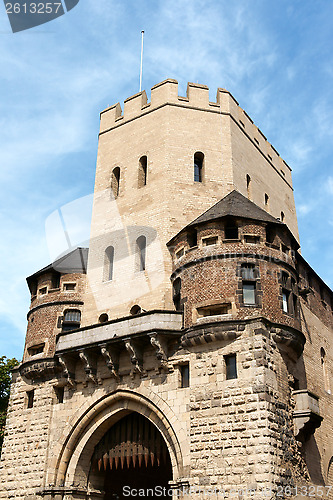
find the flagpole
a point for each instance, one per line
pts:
(142, 33)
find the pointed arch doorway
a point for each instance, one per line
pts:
(132, 458)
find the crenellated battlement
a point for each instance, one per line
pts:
(197, 97)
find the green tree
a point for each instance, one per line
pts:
(6, 366)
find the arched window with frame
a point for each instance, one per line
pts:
(115, 182)
(141, 248)
(198, 166)
(108, 264)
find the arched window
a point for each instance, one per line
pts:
(115, 180)
(141, 244)
(142, 179)
(282, 217)
(198, 167)
(71, 320)
(266, 202)
(325, 371)
(248, 186)
(108, 264)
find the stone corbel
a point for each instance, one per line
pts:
(161, 350)
(135, 354)
(111, 357)
(89, 361)
(67, 363)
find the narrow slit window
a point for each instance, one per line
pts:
(185, 376)
(177, 286)
(141, 244)
(285, 301)
(266, 201)
(248, 186)
(109, 262)
(230, 366)
(142, 181)
(30, 399)
(59, 392)
(115, 182)
(198, 167)
(325, 371)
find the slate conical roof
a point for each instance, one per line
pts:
(235, 205)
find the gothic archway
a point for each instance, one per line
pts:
(131, 458)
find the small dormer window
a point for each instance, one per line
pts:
(270, 234)
(285, 249)
(36, 349)
(192, 238)
(43, 290)
(231, 230)
(211, 240)
(69, 287)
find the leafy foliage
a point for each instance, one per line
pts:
(6, 365)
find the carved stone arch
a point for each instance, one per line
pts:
(73, 464)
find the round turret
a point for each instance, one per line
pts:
(56, 303)
(235, 262)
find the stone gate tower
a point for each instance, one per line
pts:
(191, 354)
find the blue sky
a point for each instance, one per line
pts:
(275, 57)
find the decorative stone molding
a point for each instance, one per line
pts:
(111, 356)
(161, 350)
(136, 355)
(39, 369)
(89, 360)
(67, 363)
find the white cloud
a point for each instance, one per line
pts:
(329, 185)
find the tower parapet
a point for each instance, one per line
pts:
(197, 96)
